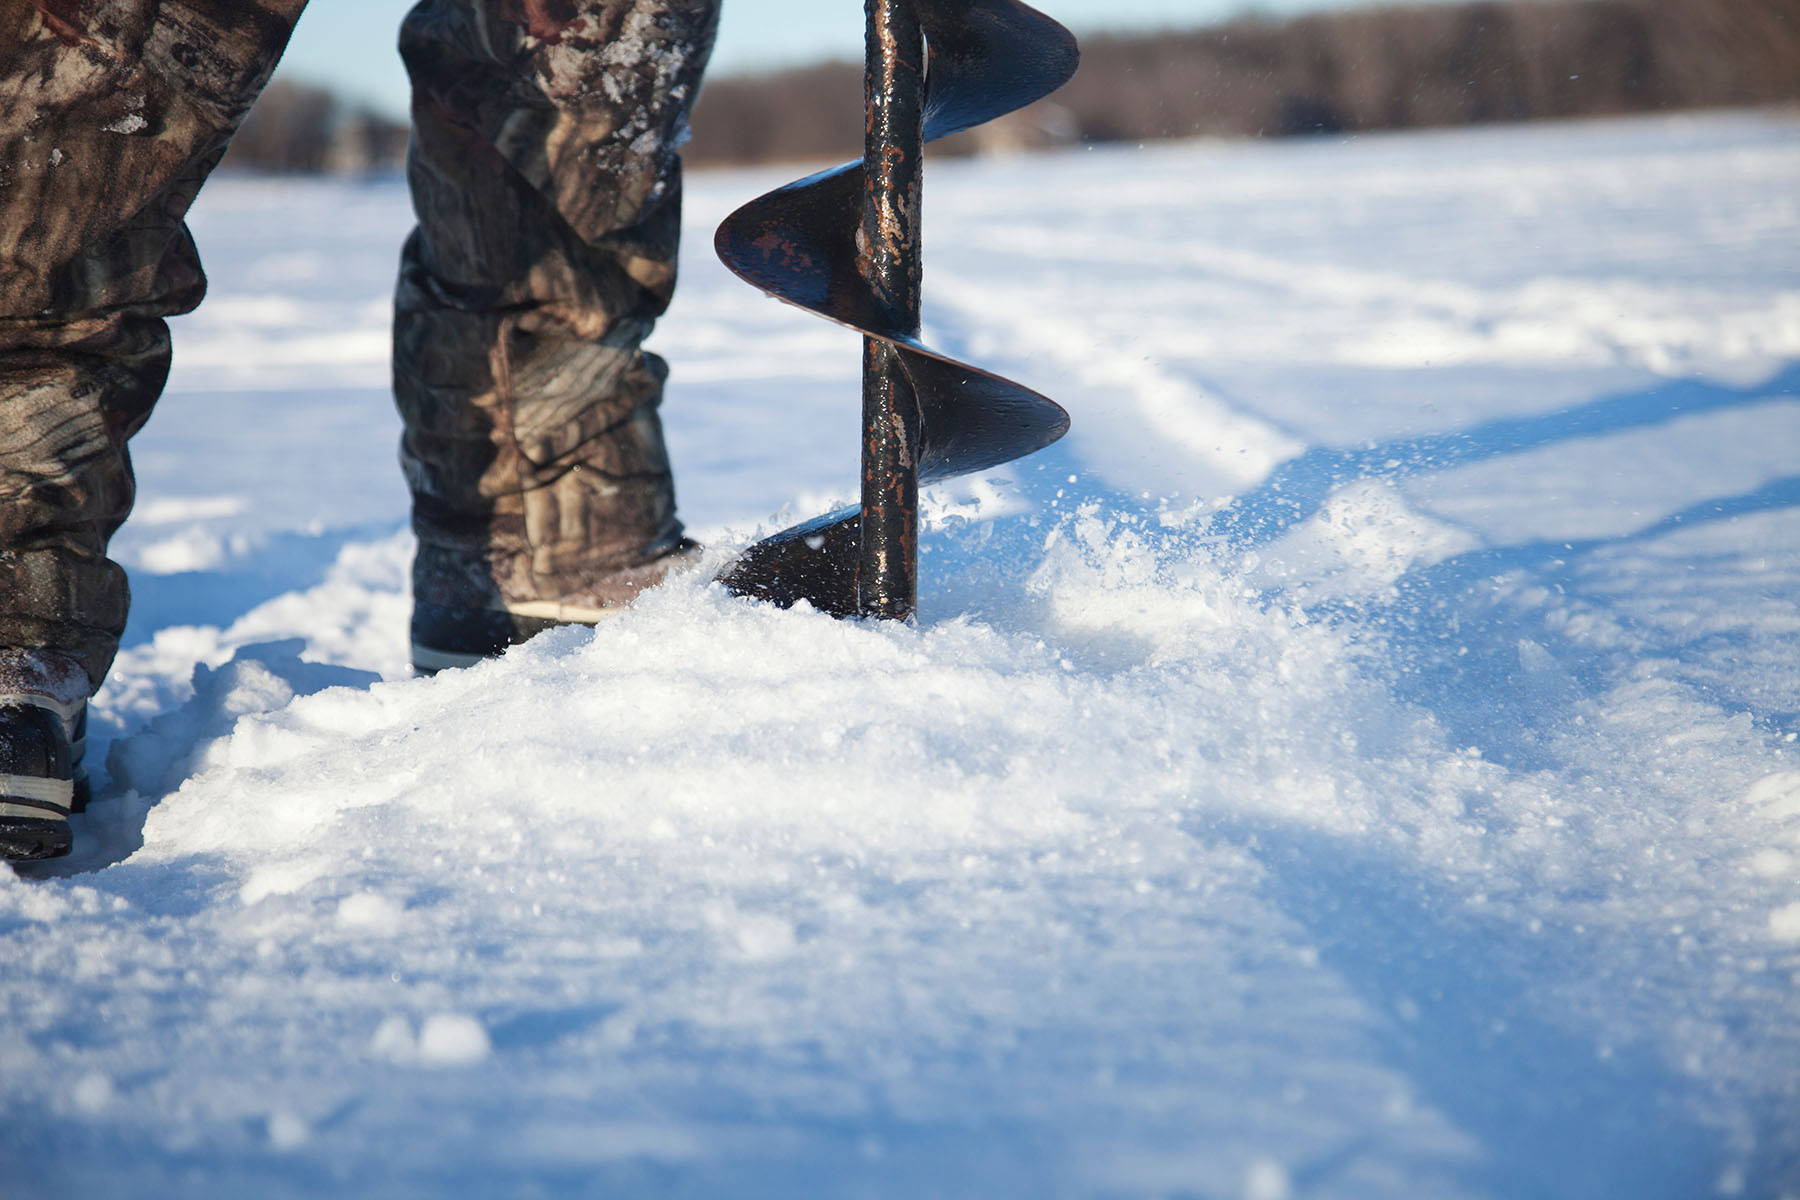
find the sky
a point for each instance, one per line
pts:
(350, 43)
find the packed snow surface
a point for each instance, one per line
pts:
(1359, 762)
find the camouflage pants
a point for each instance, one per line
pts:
(547, 186)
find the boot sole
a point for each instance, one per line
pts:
(31, 839)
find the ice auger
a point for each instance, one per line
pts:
(845, 244)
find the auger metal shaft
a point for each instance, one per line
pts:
(888, 245)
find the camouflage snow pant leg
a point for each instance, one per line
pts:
(546, 179)
(545, 175)
(111, 114)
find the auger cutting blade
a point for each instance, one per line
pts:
(927, 416)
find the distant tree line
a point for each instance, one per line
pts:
(302, 127)
(1365, 69)
(1385, 68)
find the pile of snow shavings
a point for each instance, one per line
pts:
(1117, 683)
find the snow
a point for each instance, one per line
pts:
(1359, 762)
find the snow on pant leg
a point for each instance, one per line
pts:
(546, 180)
(111, 114)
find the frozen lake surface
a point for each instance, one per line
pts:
(1360, 761)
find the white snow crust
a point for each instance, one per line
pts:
(1360, 761)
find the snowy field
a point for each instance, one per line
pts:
(1359, 762)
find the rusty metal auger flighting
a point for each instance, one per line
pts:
(845, 244)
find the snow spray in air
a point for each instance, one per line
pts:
(845, 244)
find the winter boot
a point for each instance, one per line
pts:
(43, 726)
(452, 629)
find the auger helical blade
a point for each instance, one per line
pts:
(800, 244)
